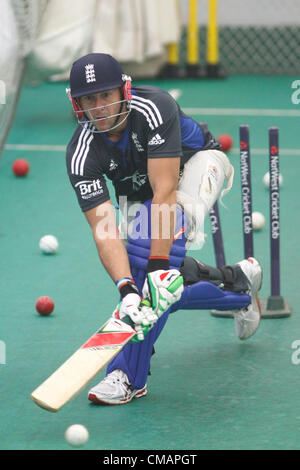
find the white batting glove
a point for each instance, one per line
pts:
(163, 288)
(133, 311)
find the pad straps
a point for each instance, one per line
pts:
(228, 277)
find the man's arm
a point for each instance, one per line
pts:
(163, 175)
(111, 249)
(113, 255)
(163, 286)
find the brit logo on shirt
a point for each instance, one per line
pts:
(90, 73)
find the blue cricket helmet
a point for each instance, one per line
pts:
(94, 73)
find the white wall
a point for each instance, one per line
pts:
(249, 12)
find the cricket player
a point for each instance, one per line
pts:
(155, 156)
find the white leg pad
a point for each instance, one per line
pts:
(199, 187)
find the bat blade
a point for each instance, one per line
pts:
(75, 373)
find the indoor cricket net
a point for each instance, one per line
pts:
(19, 25)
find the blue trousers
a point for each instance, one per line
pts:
(135, 358)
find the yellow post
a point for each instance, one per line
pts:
(172, 68)
(192, 34)
(212, 49)
(173, 53)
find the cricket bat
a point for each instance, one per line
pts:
(75, 373)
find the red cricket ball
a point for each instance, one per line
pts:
(225, 141)
(20, 167)
(44, 305)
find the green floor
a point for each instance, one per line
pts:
(208, 390)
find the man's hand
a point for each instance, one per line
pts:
(137, 313)
(163, 288)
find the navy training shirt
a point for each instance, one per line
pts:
(156, 128)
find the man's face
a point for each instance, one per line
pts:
(102, 108)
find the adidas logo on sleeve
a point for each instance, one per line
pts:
(156, 140)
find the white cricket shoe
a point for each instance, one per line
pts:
(247, 319)
(115, 389)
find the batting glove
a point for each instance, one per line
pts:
(163, 288)
(131, 310)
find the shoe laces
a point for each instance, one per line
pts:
(119, 376)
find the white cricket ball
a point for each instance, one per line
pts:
(76, 435)
(258, 220)
(266, 179)
(49, 244)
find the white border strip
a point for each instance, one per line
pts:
(35, 148)
(293, 152)
(62, 148)
(243, 112)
